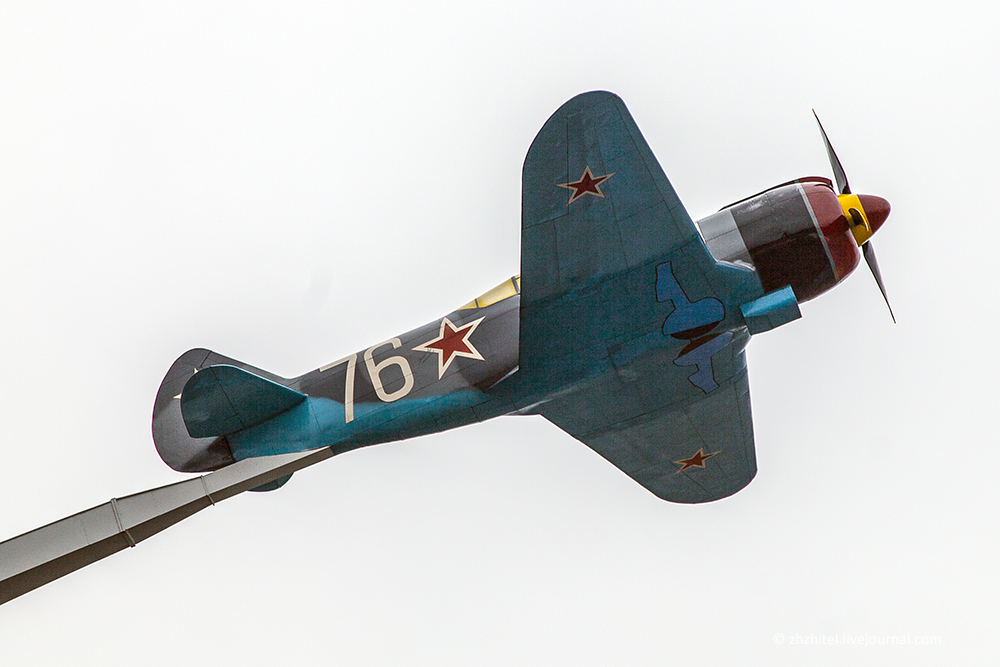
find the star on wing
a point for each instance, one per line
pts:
(587, 185)
(452, 342)
(696, 461)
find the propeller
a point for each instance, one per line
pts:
(869, 253)
(843, 187)
(865, 218)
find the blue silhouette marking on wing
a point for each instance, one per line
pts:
(688, 320)
(701, 356)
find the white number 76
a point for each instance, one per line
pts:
(352, 362)
(374, 371)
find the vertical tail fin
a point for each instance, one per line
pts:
(174, 443)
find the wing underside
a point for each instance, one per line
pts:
(694, 452)
(630, 331)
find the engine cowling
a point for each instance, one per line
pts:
(797, 234)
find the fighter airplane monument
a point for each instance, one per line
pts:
(626, 327)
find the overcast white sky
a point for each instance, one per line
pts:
(286, 183)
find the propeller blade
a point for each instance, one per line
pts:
(838, 169)
(869, 253)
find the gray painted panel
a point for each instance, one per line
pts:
(47, 553)
(723, 238)
(56, 539)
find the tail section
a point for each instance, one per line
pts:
(224, 399)
(190, 423)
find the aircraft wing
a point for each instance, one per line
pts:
(693, 452)
(622, 303)
(595, 201)
(598, 218)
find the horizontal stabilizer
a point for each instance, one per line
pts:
(223, 399)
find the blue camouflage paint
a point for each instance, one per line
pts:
(222, 399)
(319, 422)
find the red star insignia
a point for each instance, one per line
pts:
(696, 461)
(587, 185)
(452, 342)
